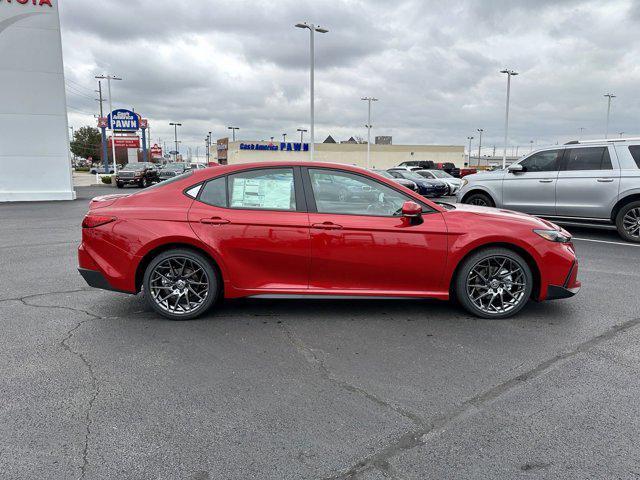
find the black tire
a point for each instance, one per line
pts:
(119, 184)
(144, 183)
(523, 292)
(177, 255)
(625, 219)
(480, 199)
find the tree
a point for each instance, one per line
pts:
(86, 143)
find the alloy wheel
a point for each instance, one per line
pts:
(631, 222)
(479, 201)
(179, 285)
(496, 285)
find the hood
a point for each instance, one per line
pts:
(499, 213)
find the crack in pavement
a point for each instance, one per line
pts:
(44, 294)
(419, 437)
(313, 358)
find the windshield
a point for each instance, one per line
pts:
(133, 166)
(174, 166)
(440, 174)
(412, 176)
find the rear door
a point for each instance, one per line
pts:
(534, 189)
(363, 245)
(257, 222)
(588, 182)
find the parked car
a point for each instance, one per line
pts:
(256, 230)
(141, 174)
(453, 183)
(427, 188)
(171, 170)
(402, 181)
(582, 183)
(101, 170)
(422, 164)
(448, 167)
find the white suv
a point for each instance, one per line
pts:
(581, 183)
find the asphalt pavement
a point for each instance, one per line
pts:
(97, 386)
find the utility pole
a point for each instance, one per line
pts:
(175, 129)
(531, 149)
(581, 132)
(469, 161)
(284, 138)
(100, 99)
(480, 131)
(609, 96)
(312, 29)
(233, 129)
(108, 78)
(621, 134)
(368, 125)
(510, 73)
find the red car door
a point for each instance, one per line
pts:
(251, 219)
(361, 242)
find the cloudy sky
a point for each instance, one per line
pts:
(434, 65)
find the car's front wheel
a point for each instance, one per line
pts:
(144, 183)
(494, 283)
(628, 222)
(180, 284)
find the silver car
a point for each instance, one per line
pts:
(582, 183)
(453, 182)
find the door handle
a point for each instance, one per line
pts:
(546, 180)
(605, 180)
(326, 226)
(214, 221)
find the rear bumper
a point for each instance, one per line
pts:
(96, 279)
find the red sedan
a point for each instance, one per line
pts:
(288, 229)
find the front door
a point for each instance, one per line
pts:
(255, 220)
(361, 243)
(533, 190)
(588, 183)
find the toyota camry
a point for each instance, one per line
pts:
(270, 230)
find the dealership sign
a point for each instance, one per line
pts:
(282, 147)
(156, 151)
(124, 120)
(38, 3)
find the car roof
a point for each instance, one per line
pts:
(238, 167)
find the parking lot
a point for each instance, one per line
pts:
(96, 386)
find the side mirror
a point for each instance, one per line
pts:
(515, 168)
(411, 210)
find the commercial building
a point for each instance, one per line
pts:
(382, 156)
(34, 152)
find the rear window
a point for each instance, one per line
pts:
(635, 153)
(593, 158)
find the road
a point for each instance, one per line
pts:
(96, 386)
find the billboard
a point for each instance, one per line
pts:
(32, 99)
(123, 120)
(156, 151)
(222, 146)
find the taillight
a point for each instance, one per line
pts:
(93, 221)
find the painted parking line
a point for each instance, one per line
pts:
(624, 244)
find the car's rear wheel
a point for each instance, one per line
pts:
(180, 284)
(479, 199)
(144, 183)
(494, 283)
(628, 222)
(119, 184)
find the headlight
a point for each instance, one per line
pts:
(464, 183)
(554, 236)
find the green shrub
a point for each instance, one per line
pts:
(106, 179)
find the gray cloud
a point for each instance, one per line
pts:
(434, 65)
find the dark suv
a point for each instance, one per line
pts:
(142, 174)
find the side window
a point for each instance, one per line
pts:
(590, 158)
(214, 192)
(268, 189)
(352, 194)
(635, 153)
(542, 162)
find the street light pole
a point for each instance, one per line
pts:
(609, 96)
(108, 78)
(302, 132)
(510, 73)
(368, 125)
(284, 138)
(175, 129)
(469, 138)
(233, 129)
(480, 131)
(312, 29)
